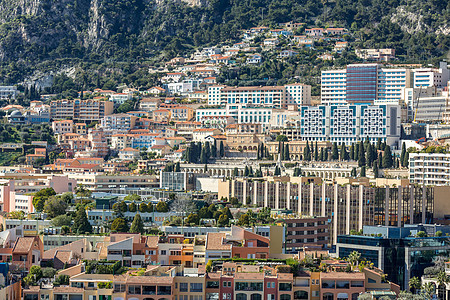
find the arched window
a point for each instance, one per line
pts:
(301, 295)
(241, 296)
(328, 296)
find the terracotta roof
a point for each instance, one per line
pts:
(23, 244)
(249, 276)
(215, 241)
(67, 289)
(342, 275)
(152, 241)
(150, 279)
(63, 255)
(129, 149)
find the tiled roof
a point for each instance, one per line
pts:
(152, 241)
(23, 244)
(150, 279)
(215, 241)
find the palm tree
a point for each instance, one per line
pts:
(442, 280)
(353, 258)
(414, 284)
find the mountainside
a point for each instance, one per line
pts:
(44, 33)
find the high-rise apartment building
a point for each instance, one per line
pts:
(425, 77)
(349, 124)
(364, 83)
(429, 168)
(269, 96)
(82, 110)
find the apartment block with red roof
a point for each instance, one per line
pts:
(27, 252)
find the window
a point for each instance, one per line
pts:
(273, 284)
(134, 289)
(285, 286)
(196, 287)
(183, 287)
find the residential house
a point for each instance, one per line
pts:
(129, 154)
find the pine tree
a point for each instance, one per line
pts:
(363, 171)
(316, 153)
(334, 152)
(137, 226)
(80, 222)
(402, 156)
(221, 149)
(361, 155)
(387, 157)
(119, 225)
(375, 169)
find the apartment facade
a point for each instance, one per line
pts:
(347, 207)
(347, 124)
(429, 168)
(81, 110)
(364, 83)
(266, 96)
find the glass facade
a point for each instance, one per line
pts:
(362, 83)
(395, 253)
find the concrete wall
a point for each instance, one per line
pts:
(207, 184)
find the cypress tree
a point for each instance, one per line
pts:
(356, 153)
(352, 151)
(387, 157)
(221, 149)
(363, 171)
(277, 171)
(322, 155)
(258, 153)
(379, 144)
(334, 152)
(370, 157)
(207, 150)
(325, 155)
(214, 149)
(235, 172)
(361, 156)
(287, 155)
(375, 169)
(307, 152)
(246, 171)
(353, 172)
(380, 160)
(316, 153)
(402, 156)
(405, 160)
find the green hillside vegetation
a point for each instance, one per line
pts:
(127, 36)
